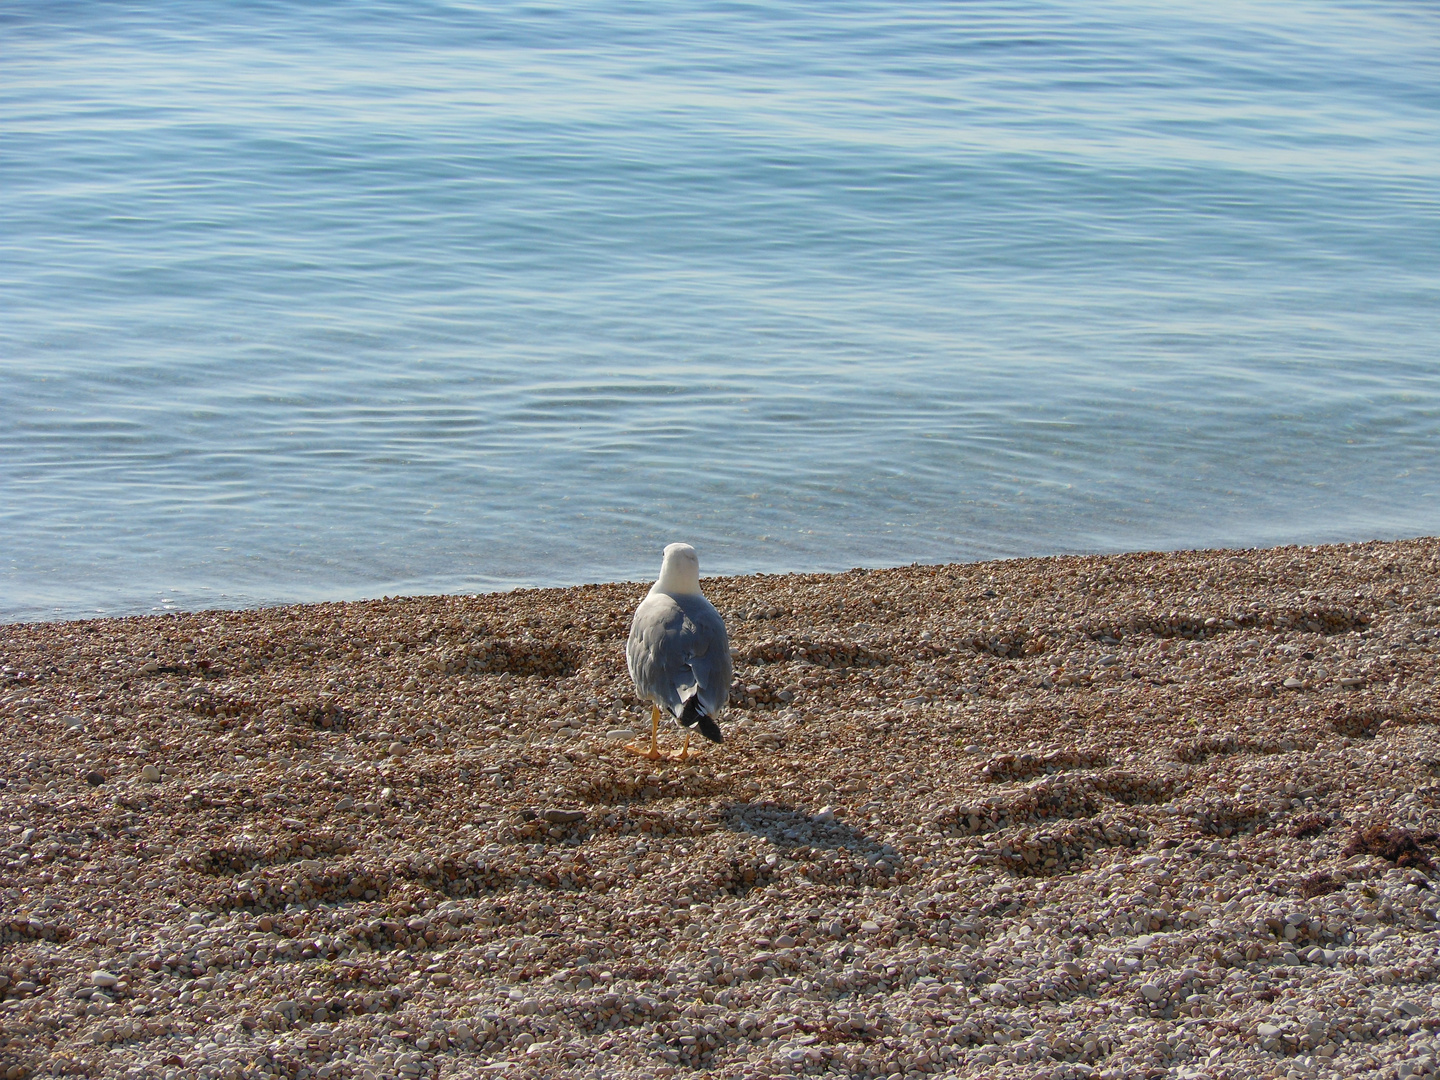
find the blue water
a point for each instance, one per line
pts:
(327, 301)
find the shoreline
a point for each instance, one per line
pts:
(252, 603)
(1030, 817)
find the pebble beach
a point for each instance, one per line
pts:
(1145, 815)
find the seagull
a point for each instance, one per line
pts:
(678, 653)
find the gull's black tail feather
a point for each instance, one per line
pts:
(692, 715)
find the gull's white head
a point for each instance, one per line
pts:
(680, 572)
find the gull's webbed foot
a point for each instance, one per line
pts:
(653, 750)
(685, 753)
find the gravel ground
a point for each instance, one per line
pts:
(1142, 815)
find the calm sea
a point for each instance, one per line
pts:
(319, 301)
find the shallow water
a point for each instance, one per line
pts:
(315, 303)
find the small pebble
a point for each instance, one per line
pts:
(104, 978)
(150, 774)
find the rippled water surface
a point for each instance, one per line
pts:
(317, 301)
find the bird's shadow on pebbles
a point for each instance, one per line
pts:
(789, 829)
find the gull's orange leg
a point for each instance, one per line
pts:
(653, 753)
(686, 753)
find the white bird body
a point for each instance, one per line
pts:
(678, 653)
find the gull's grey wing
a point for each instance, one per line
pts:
(678, 647)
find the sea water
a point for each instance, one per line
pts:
(316, 301)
